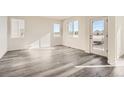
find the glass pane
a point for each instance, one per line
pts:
(98, 34)
(56, 28)
(70, 26)
(17, 28)
(76, 26)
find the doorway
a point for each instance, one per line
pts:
(99, 35)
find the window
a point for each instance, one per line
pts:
(17, 28)
(73, 28)
(76, 27)
(56, 29)
(70, 27)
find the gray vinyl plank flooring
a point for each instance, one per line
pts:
(59, 61)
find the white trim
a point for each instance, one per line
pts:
(87, 51)
(99, 66)
(3, 54)
(112, 62)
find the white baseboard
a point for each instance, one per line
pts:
(87, 51)
(3, 54)
(112, 62)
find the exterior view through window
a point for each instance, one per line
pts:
(56, 29)
(17, 28)
(73, 28)
(98, 34)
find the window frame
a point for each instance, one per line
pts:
(19, 25)
(57, 34)
(70, 27)
(73, 33)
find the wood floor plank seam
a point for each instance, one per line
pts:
(58, 61)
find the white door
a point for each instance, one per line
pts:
(99, 36)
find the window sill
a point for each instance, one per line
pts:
(75, 36)
(57, 35)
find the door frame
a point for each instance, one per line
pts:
(91, 19)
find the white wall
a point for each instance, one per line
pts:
(120, 35)
(116, 38)
(80, 42)
(112, 40)
(36, 28)
(3, 35)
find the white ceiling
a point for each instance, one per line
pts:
(58, 17)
